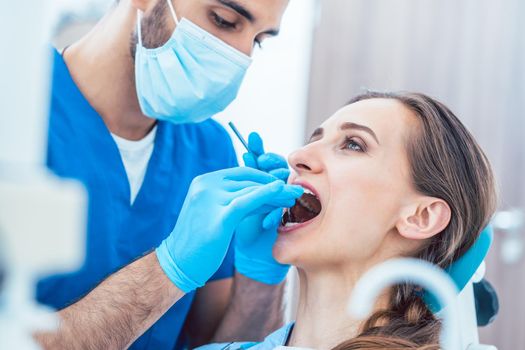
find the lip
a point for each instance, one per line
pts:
(306, 185)
(283, 229)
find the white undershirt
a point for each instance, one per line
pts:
(135, 156)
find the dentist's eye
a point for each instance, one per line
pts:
(221, 22)
(258, 43)
(352, 145)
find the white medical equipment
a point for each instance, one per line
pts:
(510, 224)
(42, 218)
(458, 323)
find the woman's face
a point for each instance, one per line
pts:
(357, 166)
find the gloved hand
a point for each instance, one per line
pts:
(215, 205)
(255, 236)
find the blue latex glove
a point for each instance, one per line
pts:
(271, 163)
(255, 236)
(215, 205)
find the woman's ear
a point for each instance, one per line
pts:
(424, 219)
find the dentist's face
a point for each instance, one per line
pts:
(356, 164)
(242, 24)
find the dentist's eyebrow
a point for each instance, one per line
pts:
(348, 125)
(243, 11)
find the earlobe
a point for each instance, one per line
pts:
(422, 221)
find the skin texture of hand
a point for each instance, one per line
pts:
(117, 312)
(215, 205)
(255, 236)
(255, 311)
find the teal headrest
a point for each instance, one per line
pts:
(463, 269)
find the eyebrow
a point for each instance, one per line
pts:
(243, 11)
(348, 125)
(317, 132)
(320, 131)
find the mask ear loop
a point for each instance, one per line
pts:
(139, 27)
(172, 10)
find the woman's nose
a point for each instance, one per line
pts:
(305, 160)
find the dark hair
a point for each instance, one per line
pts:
(447, 163)
(154, 28)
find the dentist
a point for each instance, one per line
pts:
(130, 118)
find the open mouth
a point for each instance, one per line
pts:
(306, 208)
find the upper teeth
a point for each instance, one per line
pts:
(305, 204)
(306, 190)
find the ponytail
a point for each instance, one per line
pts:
(406, 324)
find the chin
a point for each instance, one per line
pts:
(284, 251)
(295, 249)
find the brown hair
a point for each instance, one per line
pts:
(154, 28)
(446, 162)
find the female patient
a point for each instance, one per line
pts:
(389, 175)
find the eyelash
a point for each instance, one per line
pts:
(351, 141)
(221, 22)
(224, 24)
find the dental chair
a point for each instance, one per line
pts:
(466, 271)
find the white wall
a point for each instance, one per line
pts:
(272, 100)
(23, 84)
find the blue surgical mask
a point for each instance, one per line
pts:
(191, 77)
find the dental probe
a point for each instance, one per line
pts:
(239, 136)
(243, 141)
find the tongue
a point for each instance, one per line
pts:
(300, 213)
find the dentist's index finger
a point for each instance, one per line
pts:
(250, 200)
(271, 161)
(249, 160)
(248, 174)
(234, 186)
(287, 193)
(272, 220)
(284, 197)
(281, 174)
(255, 144)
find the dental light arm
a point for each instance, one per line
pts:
(417, 272)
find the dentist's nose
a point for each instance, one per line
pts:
(305, 160)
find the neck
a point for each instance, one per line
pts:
(322, 320)
(103, 69)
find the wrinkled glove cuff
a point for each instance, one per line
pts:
(259, 270)
(174, 273)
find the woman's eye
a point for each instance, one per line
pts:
(258, 43)
(353, 145)
(221, 22)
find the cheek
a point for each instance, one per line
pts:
(350, 234)
(365, 193)
(363, 206)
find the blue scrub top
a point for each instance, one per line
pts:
(278, 338)
(81, 147)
